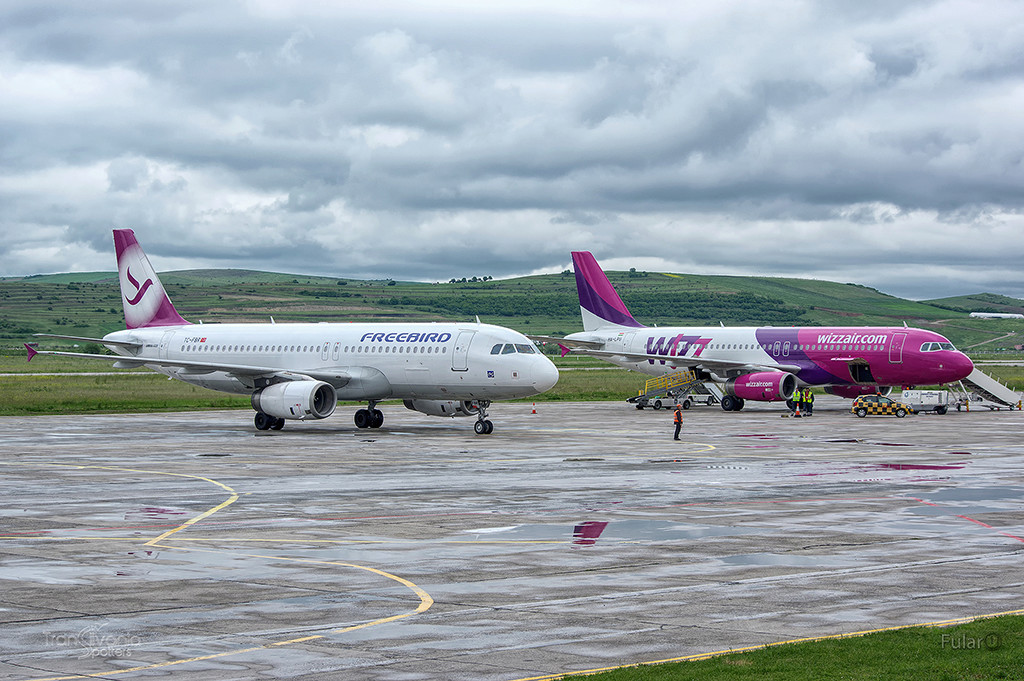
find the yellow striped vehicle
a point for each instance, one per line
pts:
(878, 405)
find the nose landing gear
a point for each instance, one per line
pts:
(483, 426)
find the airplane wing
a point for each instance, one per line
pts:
(337, 377)
(690, 361)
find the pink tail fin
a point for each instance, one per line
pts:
(142, 295)
(599, 303)
(31, 352)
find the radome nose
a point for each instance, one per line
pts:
(545, 375)
(962, 366)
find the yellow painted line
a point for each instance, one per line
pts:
(192, 521)
(425, 599)
(807, 639)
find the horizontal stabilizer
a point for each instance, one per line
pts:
(84, 339)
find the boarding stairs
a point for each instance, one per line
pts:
(677, 386)
(981, 389)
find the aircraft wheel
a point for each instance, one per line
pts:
(262, 421)
(484, 427)
(862, 412)
(376, 418)
(657, 404)
(362, 418)
(739, 404)
(278, 424)
(900, 413)
(728, 403)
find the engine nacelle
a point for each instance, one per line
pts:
(853, 391)
(443, 407)
(763, 386)
(297, 400)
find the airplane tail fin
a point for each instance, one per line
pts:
(600, 305)
(142, 295)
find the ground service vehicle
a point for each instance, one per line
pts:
(878, 405)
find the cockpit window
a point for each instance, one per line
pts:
(513, 348)
(935, 347)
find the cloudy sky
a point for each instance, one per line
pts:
(873, 142)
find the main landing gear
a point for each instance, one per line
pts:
(371, 417)
(267, 422)
(483, 426)
(730, 403)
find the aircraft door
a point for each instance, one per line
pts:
(896, 348)
(165, 342)
(460, 355)
(326, 352)
(336, 353)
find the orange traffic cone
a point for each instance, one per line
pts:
(796, 414)
(534, 408)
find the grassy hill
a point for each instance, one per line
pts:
(980, 302)
(88, 304)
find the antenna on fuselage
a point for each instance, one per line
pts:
(904, 323)
(477, 318)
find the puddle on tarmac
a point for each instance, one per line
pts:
(591, 532)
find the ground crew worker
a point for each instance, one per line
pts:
(808, 401)
(678, 420)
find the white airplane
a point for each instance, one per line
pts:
(300, 371)
(759, 363)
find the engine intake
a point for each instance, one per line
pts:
(298, 400)
(443, 407)
(763, 386)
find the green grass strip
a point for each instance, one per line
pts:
(986, 648)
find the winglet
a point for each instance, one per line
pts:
(600, 305)
(32, 352)
(565, 350)
(143, 296)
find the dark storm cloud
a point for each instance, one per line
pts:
(872, 143)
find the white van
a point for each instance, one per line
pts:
(926, 400)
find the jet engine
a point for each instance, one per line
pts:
(443, 407)
(763, 386)
(853, 391)
(298, 400)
